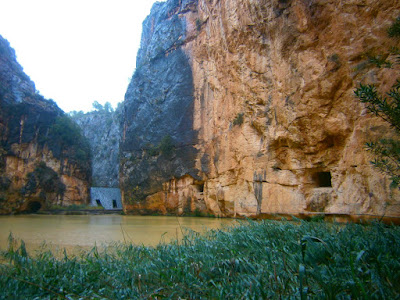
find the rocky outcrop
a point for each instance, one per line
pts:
(44, 160)
(101, 128)
(257, 99)
(157, 135)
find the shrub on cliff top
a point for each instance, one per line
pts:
(67, 134)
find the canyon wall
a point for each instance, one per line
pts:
(101, 129)
(253, 103)
(44, 159)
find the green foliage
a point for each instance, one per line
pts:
(199, 23)
(43, 178)
(107, 108)
(199, 213)
(65, 130)
(5, 183)
(81, 155)
(75, 207)
(165, 147)
(133, 193)
(387, 150)
(152, 150)
(255, 260)
(76, 114)
(238, 119)
(97, 106)
(387, 158)
(384, 60)
(334, 58)
(394, 30)
(387, 108)
(48, 179)
(68, 134)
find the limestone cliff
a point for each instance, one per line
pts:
(157, 136)
(257, 100)
(44, 160)
(101, 128)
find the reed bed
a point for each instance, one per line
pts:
(254, 260)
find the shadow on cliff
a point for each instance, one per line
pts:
(158, 137)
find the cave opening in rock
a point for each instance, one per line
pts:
(33, 207)
(323, 179)
(98, 202)
(200, 187)
(114, 203)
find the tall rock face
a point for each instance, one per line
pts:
(158, 139)
(101, 128)
(262, 94)
(44, 160)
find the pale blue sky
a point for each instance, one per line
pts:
(76, 51)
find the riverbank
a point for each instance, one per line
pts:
(311, 216)
(264, 259)
(80, 212)
(307, 216)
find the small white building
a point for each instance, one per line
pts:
(109, 198)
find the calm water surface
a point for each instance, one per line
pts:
(85, 231)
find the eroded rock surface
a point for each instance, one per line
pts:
(44, 160)
(259, 97)
(101, 128)
(157, 136)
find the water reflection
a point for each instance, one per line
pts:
(87, 231)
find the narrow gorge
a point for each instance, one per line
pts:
(236, 108)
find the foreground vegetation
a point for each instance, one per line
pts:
(255, 260)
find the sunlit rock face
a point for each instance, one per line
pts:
(44, 161)
(267, 107)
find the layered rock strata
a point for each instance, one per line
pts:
(44, 160)
(257, 99)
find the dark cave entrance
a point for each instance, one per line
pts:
(323, 179)
(33, 207)
(199, 186)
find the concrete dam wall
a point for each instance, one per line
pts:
(109, 198)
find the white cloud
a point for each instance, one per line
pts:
(76, 51)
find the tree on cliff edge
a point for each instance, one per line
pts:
(386, 150)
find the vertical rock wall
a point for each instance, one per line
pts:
(101, 129)
(269, 108)
(44, 160)
(157, 137)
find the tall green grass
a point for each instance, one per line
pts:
(256, 260)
